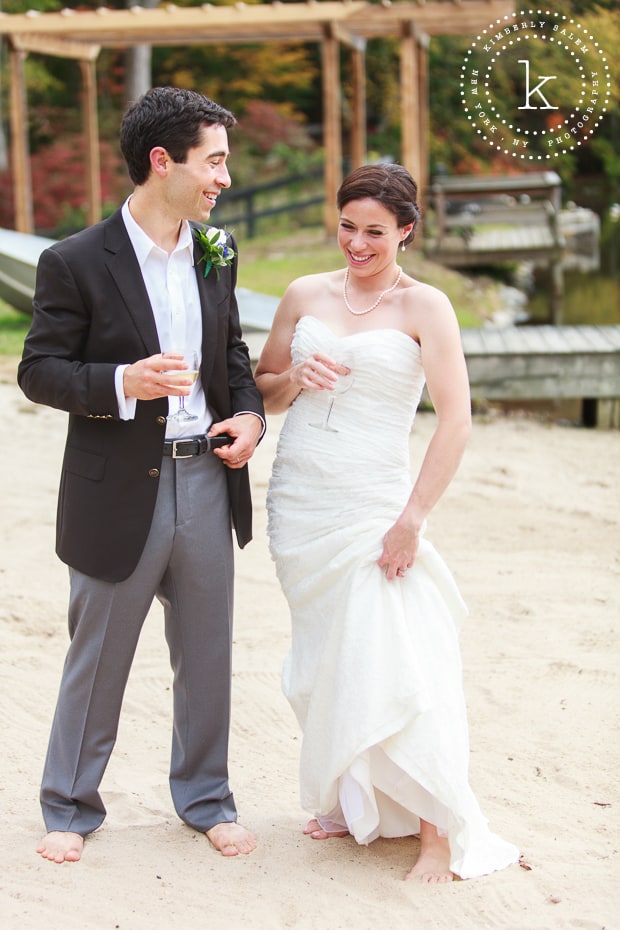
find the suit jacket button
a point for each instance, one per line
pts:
(153, 472)
(161, 421)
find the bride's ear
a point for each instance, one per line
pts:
(406, 232)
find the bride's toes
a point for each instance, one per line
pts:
(314, 829)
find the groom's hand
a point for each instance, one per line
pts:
(246, 430)
(146, 378)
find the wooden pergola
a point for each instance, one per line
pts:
(331, 23)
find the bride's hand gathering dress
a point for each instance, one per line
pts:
(374, 670)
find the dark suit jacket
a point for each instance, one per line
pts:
(92, 313)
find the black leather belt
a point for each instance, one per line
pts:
(197, 445)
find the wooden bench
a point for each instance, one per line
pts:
(487, 220)
(517, 233)
(548, 363)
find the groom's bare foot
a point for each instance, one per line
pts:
(60, 846)
(314, 829)
(231, 839)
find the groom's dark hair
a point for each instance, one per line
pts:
(169, 117)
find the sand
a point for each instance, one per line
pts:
(530, 530)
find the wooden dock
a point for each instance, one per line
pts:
(548, 363)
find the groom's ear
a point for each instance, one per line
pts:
(160, 161)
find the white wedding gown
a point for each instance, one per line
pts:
(374, 670)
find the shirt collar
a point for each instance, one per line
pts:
(143, 244)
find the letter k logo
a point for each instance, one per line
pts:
(535, 90)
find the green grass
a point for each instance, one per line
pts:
(591, 299)
(13, 329)
(269, 264)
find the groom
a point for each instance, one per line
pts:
(146, 503)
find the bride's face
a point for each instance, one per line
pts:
(368, 235)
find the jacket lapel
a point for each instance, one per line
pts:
(123, 266)
(212, 292)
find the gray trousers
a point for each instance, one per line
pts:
(187, 563)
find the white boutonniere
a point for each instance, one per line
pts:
(216, 253)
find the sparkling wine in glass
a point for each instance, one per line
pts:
(342, 385)
(182, 415)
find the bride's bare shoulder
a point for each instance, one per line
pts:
(427, 295)
(314, 284)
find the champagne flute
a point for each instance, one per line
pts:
(191, 357)
(342, 385)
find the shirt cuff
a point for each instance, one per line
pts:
(126, 405)
(240, 412)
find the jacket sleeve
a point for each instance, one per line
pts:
(55, 368)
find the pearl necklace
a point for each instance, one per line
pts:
(377, 301)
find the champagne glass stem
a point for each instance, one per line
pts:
(329, 413)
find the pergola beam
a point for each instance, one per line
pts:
(256, 22)
(56, 46)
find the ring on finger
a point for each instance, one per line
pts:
(401, 572)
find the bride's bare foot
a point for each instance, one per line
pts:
(60, 846)
(231, 839)
(433, 865)
(313, 828)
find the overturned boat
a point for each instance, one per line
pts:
(19, 255)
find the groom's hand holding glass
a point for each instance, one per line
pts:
(147, 378)
(184, 377)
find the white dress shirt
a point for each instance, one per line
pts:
(172, 288)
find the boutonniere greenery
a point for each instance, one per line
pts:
(216, 253)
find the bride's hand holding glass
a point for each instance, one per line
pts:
(318, 372)
(340, 366)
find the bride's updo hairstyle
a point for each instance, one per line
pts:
(391, 185)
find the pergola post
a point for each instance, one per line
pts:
(93, 165)
(20, 150)
(358, 122)
(332, 131)
(423, 41)
(414, 103)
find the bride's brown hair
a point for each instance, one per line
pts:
(391, 185)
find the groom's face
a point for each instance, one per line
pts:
(194, 186)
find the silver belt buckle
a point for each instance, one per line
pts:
(175, 455)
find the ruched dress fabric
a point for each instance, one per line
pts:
(374, 671)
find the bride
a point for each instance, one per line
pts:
(374, 670)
